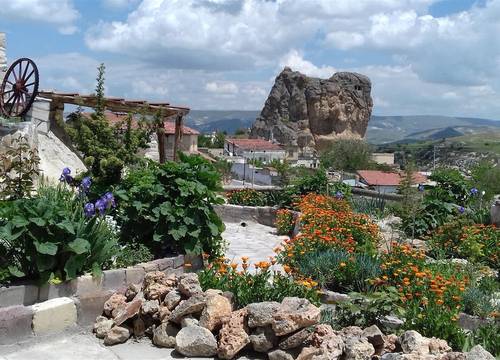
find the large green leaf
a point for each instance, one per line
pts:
(39, 221)
(19, 221)
(66, 225)
(15, 271)
(74, 265)
(46, 248)
(79, 246)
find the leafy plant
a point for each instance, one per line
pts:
(131, 254)
(263, 285)
(246, 197)
(48, 236)
(18, 169)
(348, 155)
(340, 271)
(284, 222)
(169, 207)
(364, 310)
(487, 336)
(224, 168)
(106, 148)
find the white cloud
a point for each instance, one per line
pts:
(60, 13)
(221, 87)
(296, 62)
(119, 4)
(345, 40)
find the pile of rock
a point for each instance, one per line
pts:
(176, 313)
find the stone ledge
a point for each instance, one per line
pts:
(53, 315)
(18, 295)
(15, 324)
(265, 215)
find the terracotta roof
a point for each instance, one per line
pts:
(376, 177)
(169, 126)
(254, 144)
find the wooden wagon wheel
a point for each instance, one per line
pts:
(19, 88)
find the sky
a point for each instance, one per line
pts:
(437, 57)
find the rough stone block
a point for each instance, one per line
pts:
(179, 261)
(165, 263)
(15, 324)
(114, 279)
(90, 305)
(86, 284)
(134, 275)
(53, 315)
(177, 271)
(149, 266)
(18, 295)
(51, 291)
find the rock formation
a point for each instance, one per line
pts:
(310, 112)
(3, 56)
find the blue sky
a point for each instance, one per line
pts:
(423, 56)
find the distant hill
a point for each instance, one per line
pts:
(381, 129)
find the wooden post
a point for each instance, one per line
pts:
(160, 134)
(178, 135)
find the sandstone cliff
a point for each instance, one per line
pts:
(311, 113)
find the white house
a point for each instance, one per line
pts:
(254, 149)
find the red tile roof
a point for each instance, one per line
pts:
(169, 126)
(376, 177)
(254, 144)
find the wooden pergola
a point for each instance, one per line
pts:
(164, 110)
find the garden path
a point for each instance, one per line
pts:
(253, 240)
(85, 346)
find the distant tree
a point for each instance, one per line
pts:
(205, 141)
(284, 171)
(486, 177)
(240, 131)
(348, 155)
(218, 142)
(224, 168)
(212, 141)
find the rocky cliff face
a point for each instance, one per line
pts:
(311, 113)
(3, 56)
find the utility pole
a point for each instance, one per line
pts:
(434, 162)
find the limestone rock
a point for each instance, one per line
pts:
(438, 346)
(172, 299)
(130, 310)
(280, 355)
(165, 335)
(150, 307)
(117, 335)
(163, 313)
(358, 349)
(234, 335)
(196, 341)
(217, 309)
(328, 341)
(156, 285)
(453, 356)
(294, 314)
(479, 353)
(189, 320)
(116, 301)
(194, 304)
(189, 284)
(374, 336)
(156, 291)
(295, 340)
(412, 342)
(391, 322)
(310, 112)
(132, 291)
(350, 331)
(263, 339)
(102, 326)
(261, 314)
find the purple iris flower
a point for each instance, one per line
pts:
(421, 187)
(339, 195)
(89, 209)
(100, 205)
(65, 176)
(474, 191)
(461, 209)
(85, 184)
(110, 199)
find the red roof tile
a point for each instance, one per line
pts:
(376, 177)
(255, 144)
(169, 126)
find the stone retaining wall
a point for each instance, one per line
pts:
(265, 215)
(30, 310)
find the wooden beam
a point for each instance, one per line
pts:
(178, 135)
(160, 134)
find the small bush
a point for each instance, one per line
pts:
(49, 236)
(131, 254)
(169, 207)
(284, 222)
(487, 336)
(263, 285)
(246, 197)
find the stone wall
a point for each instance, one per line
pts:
(265, 215)
(3, 55)
(28, 310)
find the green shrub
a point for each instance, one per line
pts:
(314, 183)
(131, 254)
(284, 222)
(246, 197)
(169, 207)
(247, 288)
(340, 271)
(48, 236)
(375, 207)
(487, 336)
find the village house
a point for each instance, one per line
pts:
(385, 182)
(254, 149)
